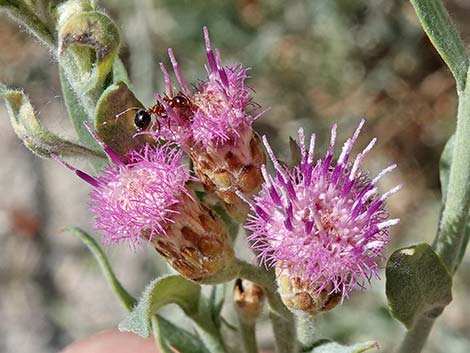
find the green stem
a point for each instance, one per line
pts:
(307, 330)
(248, 333)
(281, 318)
(207, 330)
(415, 339)
(450, 239)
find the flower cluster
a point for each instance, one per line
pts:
(147, 198)
(322, 223)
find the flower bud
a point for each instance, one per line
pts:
(302, 296)
(197, 245)
(249, 300)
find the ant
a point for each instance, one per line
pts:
(143, 117)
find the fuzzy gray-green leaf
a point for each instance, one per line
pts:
(417, 283)
(441, 31)
(127, 300)
(325, 346)
(115, 122)
(171, 337)
(88, 44)
(29, 129)
(172, 289)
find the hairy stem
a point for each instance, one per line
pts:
(307, 329)
(248, 334)
(450, 240)
(281, 318)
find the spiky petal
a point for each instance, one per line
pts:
(323, 223)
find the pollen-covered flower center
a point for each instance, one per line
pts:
(138, 187)
(210, 101)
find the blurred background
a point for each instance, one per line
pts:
(314, 63)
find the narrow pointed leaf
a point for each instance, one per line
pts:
(127, 300)
(441, 31)
(172, 338)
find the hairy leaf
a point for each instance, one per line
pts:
(172, 289)
(171, 337)
(115, 122)
(417, 283)
(127, 300)
(441, 31)
(88, 44)
(38, 139)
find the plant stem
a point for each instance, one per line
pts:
(281, 318)
(306, 329)
(450, 239)
(248, 333)
(207, 330)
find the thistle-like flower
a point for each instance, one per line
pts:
(322, 224)
(147, 198)
(212, 123)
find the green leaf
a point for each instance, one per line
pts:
(88, 43)
(172, 289)
(115, 122)
(326, 346)
(444, 166)
(216, 302)
(78, 115)
(127, 300)
(38, 139)
(171, 337)
(444, 171)
(417, 283)
(438, 26)
(120, 72)
(232, 227)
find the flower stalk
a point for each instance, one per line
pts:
(450, 240)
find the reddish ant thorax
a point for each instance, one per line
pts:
(180, 103)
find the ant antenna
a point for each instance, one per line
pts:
(127, 110)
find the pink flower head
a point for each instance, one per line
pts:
(322, 221)
(219, 105)
(139, 198)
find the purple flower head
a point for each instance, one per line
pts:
(219, 109)
(138, 198)
(324, 222)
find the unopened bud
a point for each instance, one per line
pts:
(232, 167)
(249, 300)
(304, 297)
(197, 244)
